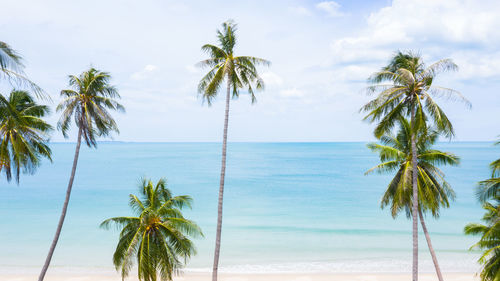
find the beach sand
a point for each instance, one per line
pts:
(252, 277)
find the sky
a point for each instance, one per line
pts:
(322, 53)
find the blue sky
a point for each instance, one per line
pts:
(321, 53)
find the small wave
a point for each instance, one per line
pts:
(349, 266)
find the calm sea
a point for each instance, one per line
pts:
(288, 207)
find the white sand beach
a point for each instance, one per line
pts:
(251, 277)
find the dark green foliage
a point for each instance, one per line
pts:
(23, 134)
(489, 242)
(158, 237)
(395, 154)
(490, 188)
(488, 194)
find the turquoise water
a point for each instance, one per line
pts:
(288, 206)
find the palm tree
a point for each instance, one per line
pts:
(11, 68)
(434, 191)
(23, 134)
(88, 103)
(410, 92)
(157, 237)
(488, 194)
(490, 239)
(490, 188)
(238, 72)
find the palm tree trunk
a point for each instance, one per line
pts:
(221, 185)
(415, 196)
(65, 208)
(431, 249)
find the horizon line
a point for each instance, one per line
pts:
(159, 142)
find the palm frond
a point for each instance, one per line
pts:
(11, 69)
(440, 66)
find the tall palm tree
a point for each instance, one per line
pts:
(434, 192)
(238, 72)
(157, 237)
(11, 68)
(88, 103)
(23, 134)
(490, 188)
(410, 93)
(490, 239)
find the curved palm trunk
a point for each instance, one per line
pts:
(65, 208)
(221, 186)
(415, 196)
(429, 244)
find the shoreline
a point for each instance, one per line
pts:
(52, 276)
(346, 268)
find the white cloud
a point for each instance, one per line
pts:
(459, 29)
(476, 65)
(301, 11)
(193, 69)
(452, 20)
(144, 73)
(271, 78)
(332, 8)
(291, 93)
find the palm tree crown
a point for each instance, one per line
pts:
(489, 241)
(240, 71)
(23, 134)
(490, 188)
(158, 236)
(89, 102)
(395, 155)
(410, 88)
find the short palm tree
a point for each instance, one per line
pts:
(489, 241)
(410, 93)
(158, 237)
(23, 134)
(238, 72)
(434, 191)
(11, 68)
(87, 104)
(490, 188)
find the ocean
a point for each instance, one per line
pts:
(288, 207)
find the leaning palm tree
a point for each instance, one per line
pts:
(158, 237)
(238, 72)
(23, 134)
(410, 93)
(490, 239)
(434, 192)
(490, 188)
(88, 103)
(11, 68)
